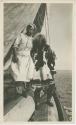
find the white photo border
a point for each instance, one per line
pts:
(73, 56)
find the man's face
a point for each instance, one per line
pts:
(31, 31)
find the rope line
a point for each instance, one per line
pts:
(47, 25)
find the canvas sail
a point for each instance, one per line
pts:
(37, 17)
(16, 18)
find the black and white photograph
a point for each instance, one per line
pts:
(37, 69)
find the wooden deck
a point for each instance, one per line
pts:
(46, 113)
(22, 109)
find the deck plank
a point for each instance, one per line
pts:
(22, 111)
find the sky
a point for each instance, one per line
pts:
(60, 30)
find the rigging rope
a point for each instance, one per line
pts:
(47, 25)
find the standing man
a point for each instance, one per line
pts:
(22, 61)
(44, 61)
(22, 65)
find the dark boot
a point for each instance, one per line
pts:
(37, 97)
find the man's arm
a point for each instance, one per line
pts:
(49, 57)
(15, 47)
(14, 55)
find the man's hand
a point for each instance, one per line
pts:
(15, 59)
(19, 89)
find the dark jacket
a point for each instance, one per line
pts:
(37, 56)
